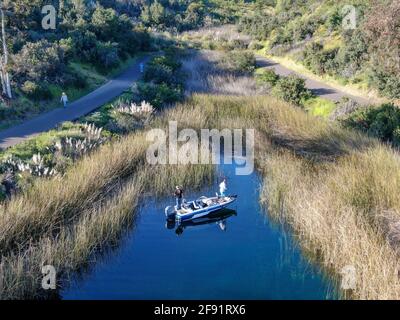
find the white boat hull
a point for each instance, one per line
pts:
(209, 205)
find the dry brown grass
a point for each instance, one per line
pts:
(337, 213)
(337, 189)
(216, 33)
(208, 74)
(64, 221)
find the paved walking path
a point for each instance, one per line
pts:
(318, 88)
(74, 110)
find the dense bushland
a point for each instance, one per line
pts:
(382, 122)
(311, 32)
(90, 40)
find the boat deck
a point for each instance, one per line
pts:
(213, 201)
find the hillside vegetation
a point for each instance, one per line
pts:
(312, 33)
(91, 41)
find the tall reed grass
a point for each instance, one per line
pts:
(336, 189)
(63, 221)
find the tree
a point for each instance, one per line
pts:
(292, 89)
(382, 28)
(4, 75)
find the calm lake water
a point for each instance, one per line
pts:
(238, 255)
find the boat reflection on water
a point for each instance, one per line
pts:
(219, 218)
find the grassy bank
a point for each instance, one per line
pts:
(87, 209)
(336, 188)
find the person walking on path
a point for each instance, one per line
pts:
(64, 99)
(141, 66)
(178, 195)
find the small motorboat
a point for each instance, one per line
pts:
(198, 208)
(218, 218)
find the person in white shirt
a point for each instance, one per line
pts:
(64, 99)
(222, 188)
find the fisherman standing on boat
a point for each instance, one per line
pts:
(178, 195)
(222, 188)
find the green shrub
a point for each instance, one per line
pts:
(255, 45)
(3, 195)
(85, 45)
(268, 76)
(73, 78)
(382, 122)
(240, 61)
(39, 61)
(159, 74)
(292, 89)
(158, 95)
(319, 60)
(388, 84)
(67, 45)
(167, 60)
(257, 25)
(238, 44)
(6, 112)
(35, 91)
(107, 54)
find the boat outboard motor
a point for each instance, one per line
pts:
(170, 224)
(170, 212)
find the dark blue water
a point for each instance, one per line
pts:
(238, 255)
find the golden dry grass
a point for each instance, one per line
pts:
(63, 221)
(336, 188)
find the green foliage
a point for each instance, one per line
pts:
(35, 91)
(382, 122)
(319, 60)
(258, 25)
(371, 49)
(159, 95)
(352, 56)
(5, 112)
(387, 83)
(163, 69)
(162, 80)
(3, 194)
(39, 61)
(176, 15)
(107, 55)
(292, 89)
(268, 76)
(240, 61)
(319, 107)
